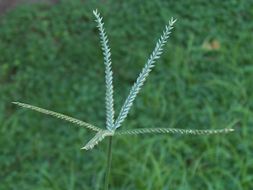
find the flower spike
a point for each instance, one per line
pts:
(174, 131)
(144, 74)
(108, 71)
(58, 115)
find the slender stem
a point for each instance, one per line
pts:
(109, 164)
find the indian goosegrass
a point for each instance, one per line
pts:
(111, 123)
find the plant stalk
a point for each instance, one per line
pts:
(109, 164)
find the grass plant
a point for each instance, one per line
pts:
(111, 124)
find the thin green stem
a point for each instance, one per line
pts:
(109, 164)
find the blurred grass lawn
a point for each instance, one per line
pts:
(51, 57)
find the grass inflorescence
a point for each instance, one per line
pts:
(111, 126)
(202, 81)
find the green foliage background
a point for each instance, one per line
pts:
(50, 56)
